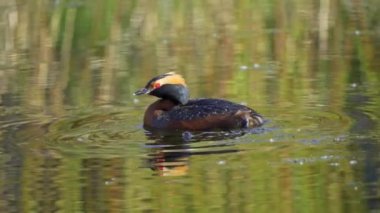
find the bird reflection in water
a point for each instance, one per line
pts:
(169, 153)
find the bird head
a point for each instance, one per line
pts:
(170, 86)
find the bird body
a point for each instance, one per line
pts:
(175, 111)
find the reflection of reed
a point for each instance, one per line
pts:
(103, 185)
(324, 12)
(62, 75)
(198, 39)
(111, 59)
(10, 174)
(46, 191)
(43, 191)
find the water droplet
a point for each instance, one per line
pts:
(135, 101)
(326, 157)
(357, 32)
(339, 139)
(256, 66)
(353, 162)
(354, 85)
(243, 67)
(221, 162)
(83, 138)
(271, 140)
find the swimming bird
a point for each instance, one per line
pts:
(176, 111)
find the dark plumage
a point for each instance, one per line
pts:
(175, 111)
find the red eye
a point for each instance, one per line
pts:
(156, 85)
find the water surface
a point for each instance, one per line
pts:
(71, 136)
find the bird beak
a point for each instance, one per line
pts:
(142, 91)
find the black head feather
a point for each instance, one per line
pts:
(174, 92)
(157, 78)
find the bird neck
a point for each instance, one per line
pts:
(177, 93)
(157, 108)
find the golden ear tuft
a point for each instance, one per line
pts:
(173, 78)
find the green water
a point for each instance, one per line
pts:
(71, 136)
